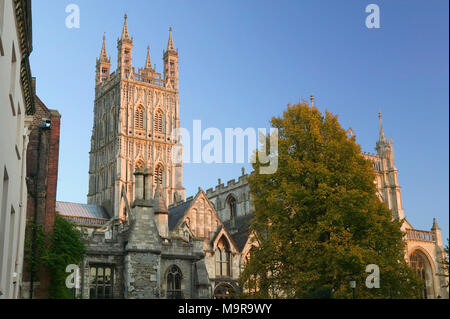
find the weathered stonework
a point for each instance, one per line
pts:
(140, 258)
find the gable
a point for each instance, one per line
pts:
(201, 218)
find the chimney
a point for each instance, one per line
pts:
(148, 189)
(139, 184)
(161, 213)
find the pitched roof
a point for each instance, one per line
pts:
(81, 210)
(242, 224)
(176, 213)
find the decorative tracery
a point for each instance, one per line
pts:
(174, 278)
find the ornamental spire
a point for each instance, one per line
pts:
(170, 45)
(103, 53)
(125, 34)
(435, 225)
(382, 138)
(148, 61)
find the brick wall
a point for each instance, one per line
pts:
(42, 177)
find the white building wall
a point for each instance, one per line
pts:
(13, 143)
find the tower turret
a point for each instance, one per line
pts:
(125, 51)
(103, 66)
(148, 61)
(171, 63)
(389, 186)
(437, 232)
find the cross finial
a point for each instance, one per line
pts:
(125, 16)
(351, 132)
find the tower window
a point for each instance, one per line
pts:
(231, 203)
(174, 278)
(158, 122)
(139, 118)
(159, 174)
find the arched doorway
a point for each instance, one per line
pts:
(421, 265)
(224, 291)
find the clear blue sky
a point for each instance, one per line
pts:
(242, 62)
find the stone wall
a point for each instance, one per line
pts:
(239, 189)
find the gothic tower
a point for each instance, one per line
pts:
(135, 114)
(387, 175)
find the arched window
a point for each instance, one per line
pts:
(421, 266)
(231, 205)
(223, 259)
(139, 118)
(159, 174)
(174, 278)
(158, 123)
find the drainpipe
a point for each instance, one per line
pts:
(45, 125)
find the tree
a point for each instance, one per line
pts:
(66, 248)
(318, 220)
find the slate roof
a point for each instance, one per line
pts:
(176, 213)
(242, 225)
(74, 210)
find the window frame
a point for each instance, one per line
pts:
(102, 285)
(174, 286)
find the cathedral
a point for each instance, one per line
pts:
(144, 239)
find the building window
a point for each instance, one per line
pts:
(419, 265)
(159, 174)
(231, 203)
(174, 278)
(223, 259)
(139, 118)
(158, 125)
(101, 282)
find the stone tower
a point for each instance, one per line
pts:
(135, 114)
(387, 175)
